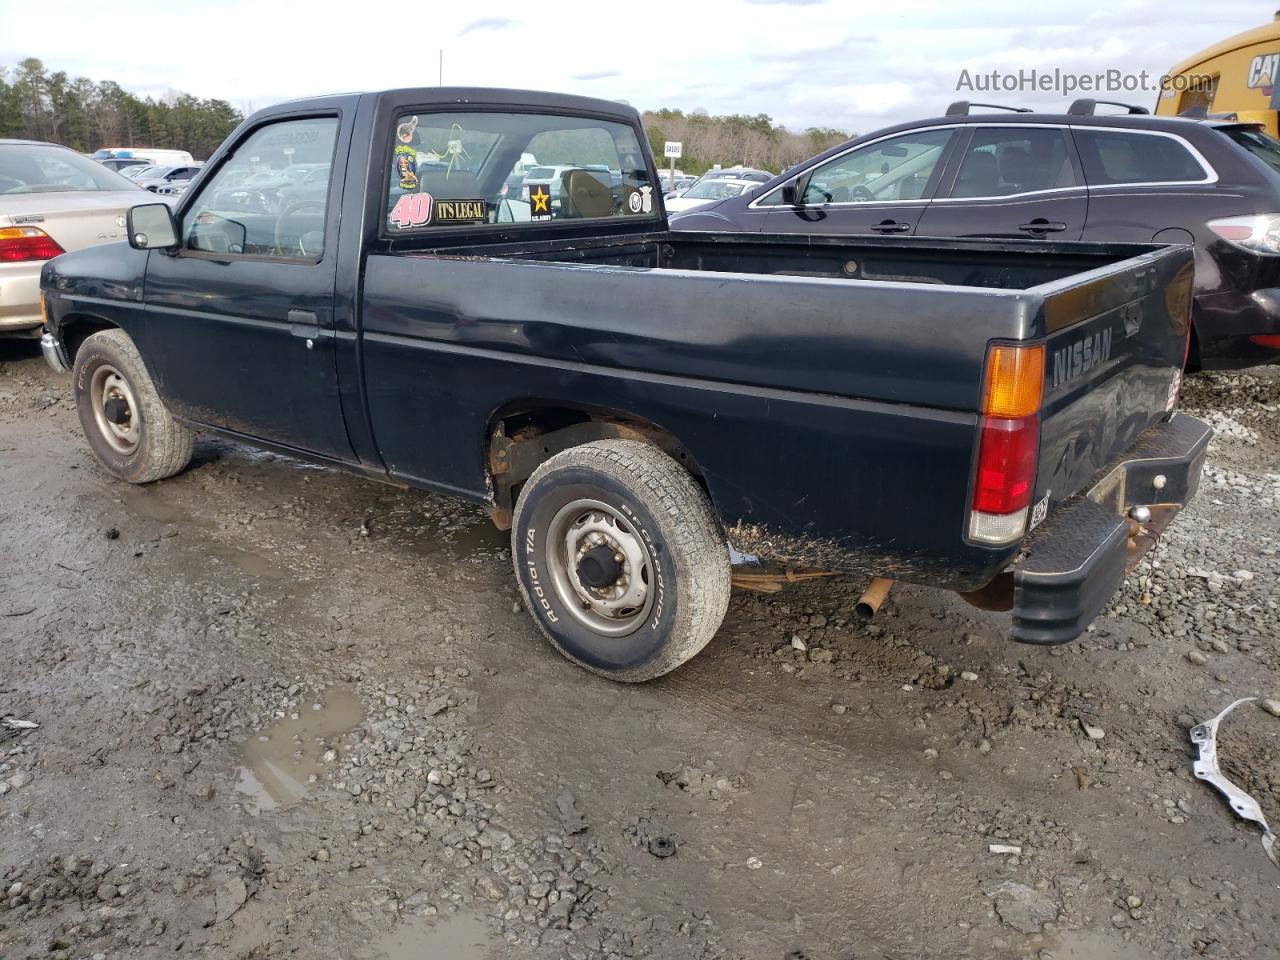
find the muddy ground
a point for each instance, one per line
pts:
(287, 712)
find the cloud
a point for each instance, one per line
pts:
(487, 23)
(597, 75)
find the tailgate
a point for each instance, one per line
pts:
(1115, 343)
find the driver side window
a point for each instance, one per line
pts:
(887, 171)
(269, 199)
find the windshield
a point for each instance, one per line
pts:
(714, 190)
(39, 168)
(1261, 145)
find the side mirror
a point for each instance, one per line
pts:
(791, 193)
(151, 227)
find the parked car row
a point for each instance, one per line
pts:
(1213, 184)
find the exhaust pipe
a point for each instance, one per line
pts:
(870, 601)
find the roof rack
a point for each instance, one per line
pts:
(1086, 107)
(961, 108)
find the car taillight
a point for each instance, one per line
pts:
(1009, 443)
(26, 243)
(1257, 233)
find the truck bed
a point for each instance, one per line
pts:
(851, 369)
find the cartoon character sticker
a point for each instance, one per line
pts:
(634, 202)
(407, 167)
(646, 201)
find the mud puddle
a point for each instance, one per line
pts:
(460, 937)
(462, 540)
(279, 764)
(1091, 945)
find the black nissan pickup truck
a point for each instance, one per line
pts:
(369, 282)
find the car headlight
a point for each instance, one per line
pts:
(1258, 233)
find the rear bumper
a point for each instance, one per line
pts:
(1079, 557)
(1238, 329)
(20, 296)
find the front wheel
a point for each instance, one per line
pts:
(122, 415)
(620, 559)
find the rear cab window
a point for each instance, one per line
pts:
(467, 169)
(1113, 157)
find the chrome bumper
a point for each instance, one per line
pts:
(55, 353)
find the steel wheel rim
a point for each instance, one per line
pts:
(620, 608)
(108, 384)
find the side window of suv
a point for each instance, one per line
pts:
(889, 171)
(1122, 156)
(247, 208)
(1005, 161)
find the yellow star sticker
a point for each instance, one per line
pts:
(541, 200)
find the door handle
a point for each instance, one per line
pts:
(305, 324)
(1041, 225)
(890, 226)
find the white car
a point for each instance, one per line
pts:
(52, 200)
(145, 154)
(153, 178)
(707, 191)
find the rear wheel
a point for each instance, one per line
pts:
(620, 559)
(122, 415)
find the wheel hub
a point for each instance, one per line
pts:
(114, 409)
(599, 567)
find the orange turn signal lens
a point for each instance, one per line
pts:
(1015, 381)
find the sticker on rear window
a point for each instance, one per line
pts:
(407, 167)
(412, 210)
(421, 209)
(460, 211)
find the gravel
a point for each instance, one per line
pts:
(572, 818)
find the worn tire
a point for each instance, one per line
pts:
(685, 548)
(163, 446)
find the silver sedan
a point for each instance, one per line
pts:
(52, 200)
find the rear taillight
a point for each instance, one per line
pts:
(1257, 233)
(1009, 443)
(26, 243)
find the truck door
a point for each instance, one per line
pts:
(1010, 181)
(881, 187)
(246, 301)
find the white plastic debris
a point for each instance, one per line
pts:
(1005, 848)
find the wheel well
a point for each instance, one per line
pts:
(521, 438)
(76, 328)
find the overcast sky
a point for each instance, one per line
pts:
(838, 63)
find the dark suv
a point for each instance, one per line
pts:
(1075, 176)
